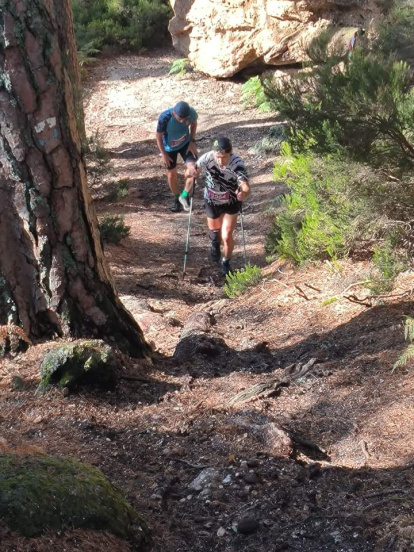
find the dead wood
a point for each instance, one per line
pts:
(194, 340)
(301, 292)
(271, 388)
(195, 466)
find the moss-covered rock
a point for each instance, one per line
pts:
(40, 493)
(79, 363)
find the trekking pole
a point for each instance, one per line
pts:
(187, 242)
(243, 238)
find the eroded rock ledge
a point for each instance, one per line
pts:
(222, 37)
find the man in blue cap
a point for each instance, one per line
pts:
(176, 132)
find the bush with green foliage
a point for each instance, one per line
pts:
(123, 24)
(239, 281)
(363, 106)
(320, 217)
(271, 143)
(117, 190)
(408, 354)
(387, 263)
(180, 67)
(396, 32)
(360, 105)
(253, 94)
(113, 228)
(97, 159)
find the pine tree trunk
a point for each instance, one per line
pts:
(53, 276)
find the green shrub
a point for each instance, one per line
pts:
(97, 159)
(253, 94)
(270, 144)
(388, 263)
(320, 214)
(239, 281)
(408, 354)
(396, 31)
(123, 24)
(362, 106)
(180, 67)
(117, 190)
(113, 229)
(87, 55)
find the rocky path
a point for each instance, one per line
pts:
(125, 97)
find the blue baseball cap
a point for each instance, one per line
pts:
(182, 110)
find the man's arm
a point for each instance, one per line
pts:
(243, 191)
(193, 146)
(165, 157)
(244, 186)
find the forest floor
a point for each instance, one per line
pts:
(325, 463)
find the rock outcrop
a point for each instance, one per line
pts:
(222, 37)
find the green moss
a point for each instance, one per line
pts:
(85, 362)
(43, 493)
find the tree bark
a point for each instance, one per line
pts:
(53, 276)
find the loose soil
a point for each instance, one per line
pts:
(341, 479)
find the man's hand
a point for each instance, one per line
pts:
(166, 158)
(192, 147)
(192, 171)
(243, 192)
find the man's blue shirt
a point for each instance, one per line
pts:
(175, 134)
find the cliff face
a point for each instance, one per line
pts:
(221, 37)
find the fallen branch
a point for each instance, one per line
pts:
(195, 466)
(301, 292)
(312, 287)
(384, 493)
(271, 388)
(370, 298)
(362, 282)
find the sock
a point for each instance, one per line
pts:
(225, 259)
(177, 196)
(184, 193)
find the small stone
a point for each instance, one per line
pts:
(247, 525)
(17, 383)
(221, 532)
(156, 496)
(66, 391)
(251, 478)
(227, 479)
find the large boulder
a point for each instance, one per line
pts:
(82, 362)
(222, 37)
(39, 494)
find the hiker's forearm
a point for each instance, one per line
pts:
(193, 131)
(160, 143)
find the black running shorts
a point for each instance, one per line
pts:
(187, 156)
(215, 211)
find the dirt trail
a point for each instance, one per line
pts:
(324, 465)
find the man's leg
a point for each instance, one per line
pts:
(190, 180)
(189, 160)
(214, 232)
(227, 229)
(172, 177)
